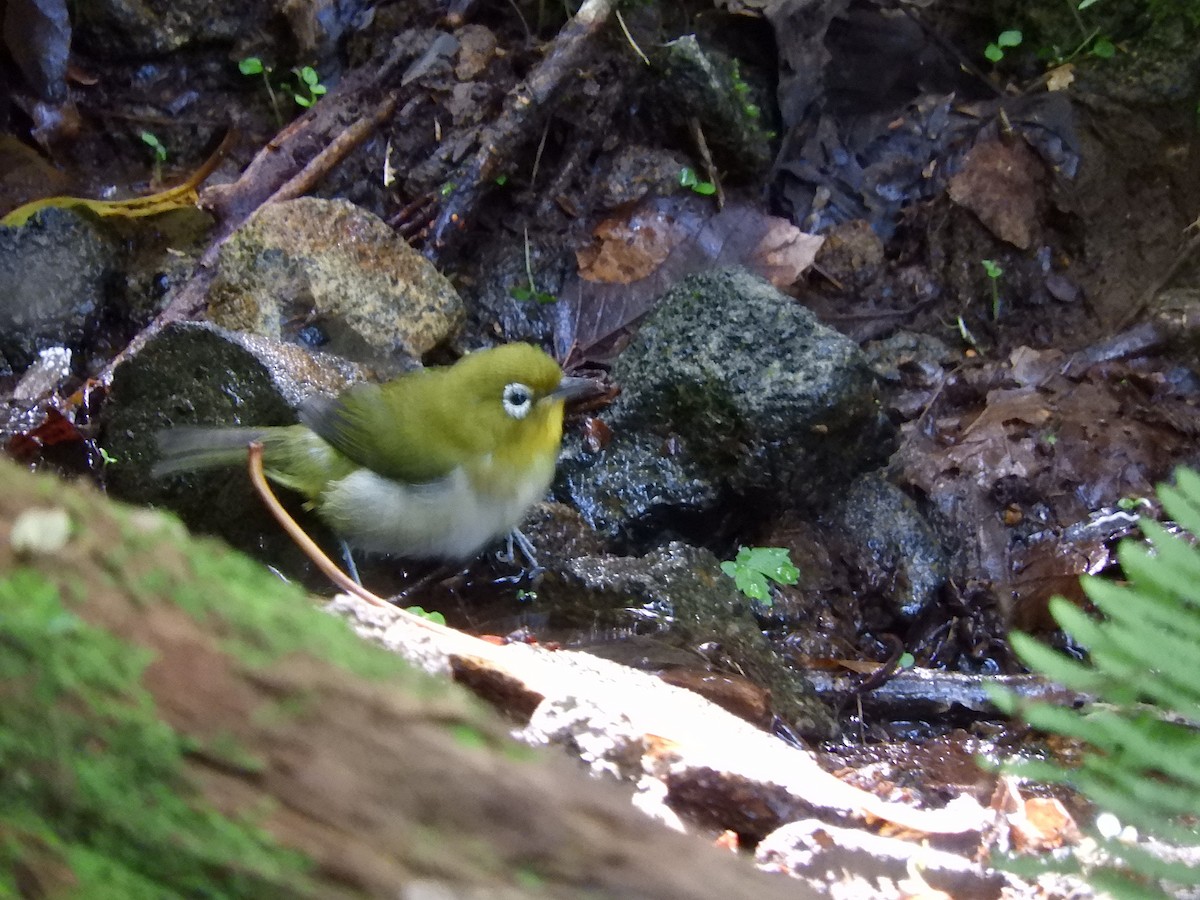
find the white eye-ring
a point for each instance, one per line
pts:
(517, 399)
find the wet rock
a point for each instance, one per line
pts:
(56, 272)
(852, 254)
(490, 279)
(703, 84)
(680, 594)
(328, 274)
(735, 402)
(199, 374)
(896, 551)
(637, 170)
(120, 28)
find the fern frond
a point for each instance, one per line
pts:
(1143, 669)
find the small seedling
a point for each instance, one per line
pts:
(993, 273)
(309, 88)
(105, 457)
(529, 291)
(752, 566)
(1129, 504)
(447, 189)
(251, 66)
(150, 139)
(1005, 40)
(688, 179)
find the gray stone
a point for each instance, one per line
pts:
(326, 265)
(55, 275)
(701, 83)
(680, 595)
(200, 374)
(899, 554)
(735, 402)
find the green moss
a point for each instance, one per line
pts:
(469, 737)
(263, 619)
(91, 778)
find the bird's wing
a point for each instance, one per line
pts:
(407, 435)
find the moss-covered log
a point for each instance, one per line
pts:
(176, 721)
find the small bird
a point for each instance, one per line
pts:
(435, 464)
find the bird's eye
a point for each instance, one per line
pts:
(517, 399)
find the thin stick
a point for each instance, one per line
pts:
(629, 37)
(297, 534)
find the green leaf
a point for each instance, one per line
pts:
(991, 268)
(752, 566)
(1011, 38)
(687, 177)
(251, 65)
(309, 76)
(301, 100)
(993, 53)
(1103, 48)
(704, 188)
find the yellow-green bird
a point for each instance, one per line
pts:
(435, 464)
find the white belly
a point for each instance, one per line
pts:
(447, 519)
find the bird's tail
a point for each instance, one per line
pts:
(191, 448)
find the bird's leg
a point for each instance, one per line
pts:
(518, 541)
(348, 559)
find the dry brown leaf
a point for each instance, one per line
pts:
(999, 183)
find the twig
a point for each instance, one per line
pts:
(337, 150)
(327, 566)
(629, 37)
(706, 159)
(525, 108)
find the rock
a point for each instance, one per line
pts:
(121, 28)
(703, 84)
(200, 374)
(735, 402)
(328, 274)
(55, 276)
(896, 551)
(681, 596)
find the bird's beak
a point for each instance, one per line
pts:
(571, 388)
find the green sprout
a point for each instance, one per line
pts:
(447, 189)
(251, 66)
(150, 139)
(529, 291)
(1130, 504)
(688, 179)
(752, 566)
(993, 273)
(1006, 39)
(106, 458)
(309, 88)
